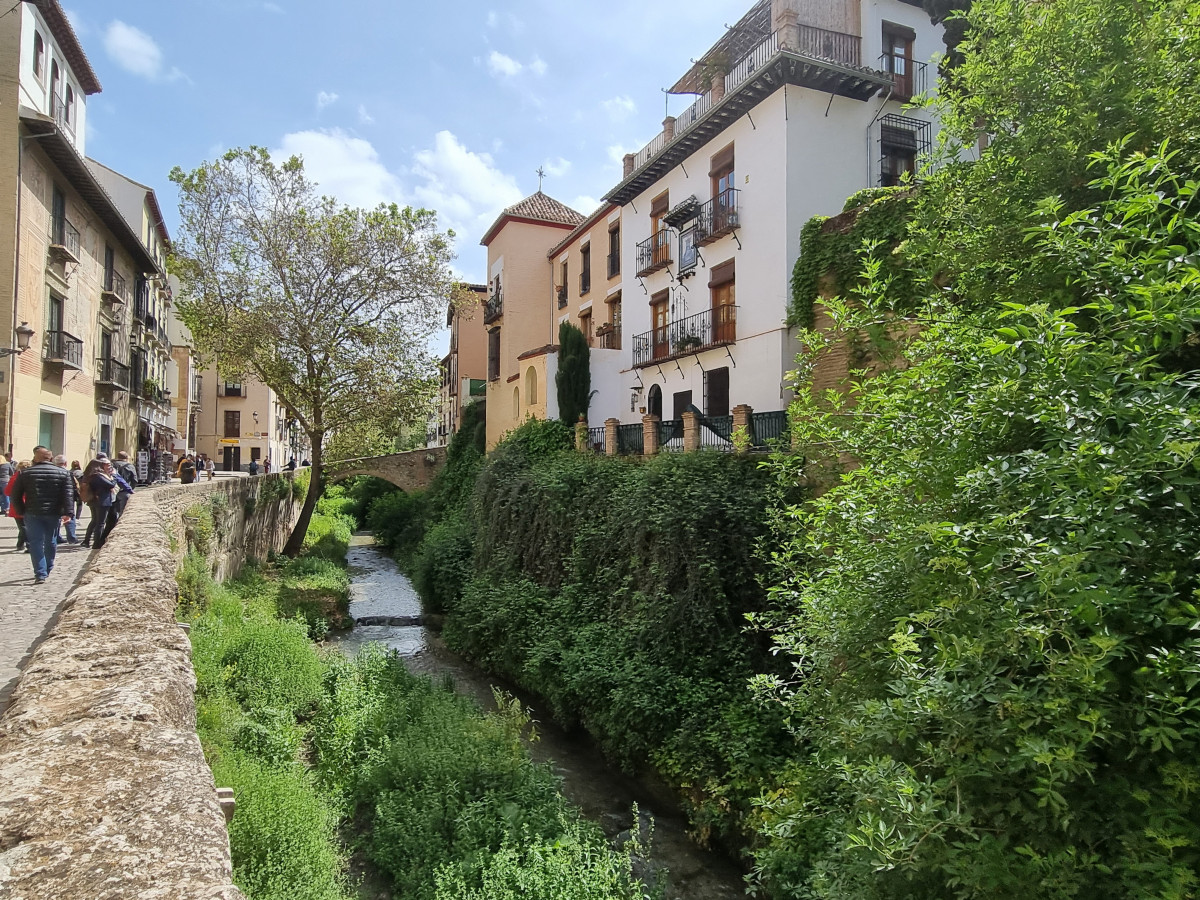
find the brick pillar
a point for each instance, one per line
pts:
(627, 165)
(716, 87)
(581, 435)
(691, 431)
(786, 21)
(650, 435)
(610, 436)
(741, 418)
(669, 128)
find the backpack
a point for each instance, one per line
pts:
(85, 490)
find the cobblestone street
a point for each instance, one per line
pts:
(28, 611)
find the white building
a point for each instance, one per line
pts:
(799, 106)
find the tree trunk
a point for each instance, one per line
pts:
(316, 487)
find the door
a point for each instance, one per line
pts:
(658, 318)
(654, 401)
(231, 459)
(724, 314)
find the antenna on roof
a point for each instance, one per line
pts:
(541, 173)
(666, 102)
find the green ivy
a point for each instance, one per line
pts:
(875, 219)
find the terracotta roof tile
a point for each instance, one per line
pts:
(540, 208)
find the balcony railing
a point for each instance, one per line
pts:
(909, 77)
(64, 349)
(614, 265)
(62, 114)
(115, 289)
(562, 296)
(608, 337)
(710, 328)
(595, 439)
(631, 439)
(670, 436)
(493, 308)
(716, 433)
(718, 217)
(585, 282)
(111, 373)
(64, 238)
(654, 253)
(768, 429)
(835, 46)
(153, 393)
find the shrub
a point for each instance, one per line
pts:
(398, 522)
(443, 563)
(316, 589)
(328, 536)
(269, 664)
(195, 585)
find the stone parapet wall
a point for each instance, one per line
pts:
(104, 791)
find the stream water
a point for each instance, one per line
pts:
(379, 591)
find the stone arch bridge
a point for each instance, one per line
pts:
(411, 470)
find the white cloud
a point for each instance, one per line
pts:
(499, 64)
(345, 167)
(617, 152)
(77, 24)
(619, 108)
(538, 66)
(466, 188)
(364, 117)
(585, 204)
(325, 98)
(135, 51)
(557, 167)
(492, 19)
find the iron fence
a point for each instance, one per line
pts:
(670, 435)
(716, 432)
(631, 439)
(768, 429)
(595, 439)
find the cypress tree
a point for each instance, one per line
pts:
(574, 378)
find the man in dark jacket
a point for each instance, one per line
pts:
(43, 495)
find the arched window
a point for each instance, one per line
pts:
(516, 403)
(69, 110)
(531, 386)
(39, 56)
(55, 100)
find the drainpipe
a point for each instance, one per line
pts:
(12, 359)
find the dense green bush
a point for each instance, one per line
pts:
(444, 563)
(618, 591)
(398, 521)
(328, 535)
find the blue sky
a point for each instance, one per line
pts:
(450, 105)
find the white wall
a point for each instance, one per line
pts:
(36, 94)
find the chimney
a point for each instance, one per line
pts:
(785, 22)
(669, 129)
(627, 165)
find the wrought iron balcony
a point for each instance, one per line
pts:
(654, 253)
(834, 46)
(115, 289)
(493, 308)
(111, 373)
(718, 217)
(63, 349)
(64, 239)
(909, 77)
(152, 392)
(609, 337)
(703, 331)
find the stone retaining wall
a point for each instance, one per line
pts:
(104, 791)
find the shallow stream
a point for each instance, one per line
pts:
(379, 590)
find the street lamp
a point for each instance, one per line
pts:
(24, 336)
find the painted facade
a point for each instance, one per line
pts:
(242, 421)
(464, 368)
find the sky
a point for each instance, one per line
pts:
(452, 106)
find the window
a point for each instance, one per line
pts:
(69, 107)
(516, 403)
(610, 332)
(614, 251)
(55, 100)
(110, 266)
(724, 194)
(531, 395)
(661, 249)
(233, 389)
(898, 58)
(58, 214)
(716, 392)
(39, 56)
(255, 454)
(682, 401)
(724, 311)
(562, 284)
(585, 268)
(493, 354)
(901, 141)
(585, 325)
(660, 344)
(233, 423)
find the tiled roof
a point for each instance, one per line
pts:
(536, 207)
(583, 226)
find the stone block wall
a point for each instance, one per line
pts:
(104, 791)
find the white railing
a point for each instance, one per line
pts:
(757, 58)
(646, 153)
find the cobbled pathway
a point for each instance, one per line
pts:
(28, 611)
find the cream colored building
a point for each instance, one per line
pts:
(464, 368)
(520, 313)
(71, 265)
(242, 421)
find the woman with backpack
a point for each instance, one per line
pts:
(96, 488)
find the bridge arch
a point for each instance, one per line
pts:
(411, 470)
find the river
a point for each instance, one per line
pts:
(379, 590)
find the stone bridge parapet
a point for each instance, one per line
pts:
(411, 470)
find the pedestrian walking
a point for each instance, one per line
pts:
(253, 467)
(267, 466)
(126, 469)
(210, 467)
(42, 495)
(69, 525)
(77, 474)
(291, 464)
(187, 470)
(8, 489)
(7, 470)
(100, 485)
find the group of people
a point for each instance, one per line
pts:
(189, 468)
(45, 496)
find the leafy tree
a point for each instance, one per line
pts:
(574, 378)
(327, 305)
(992, 617)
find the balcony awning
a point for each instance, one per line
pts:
(58, 147)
